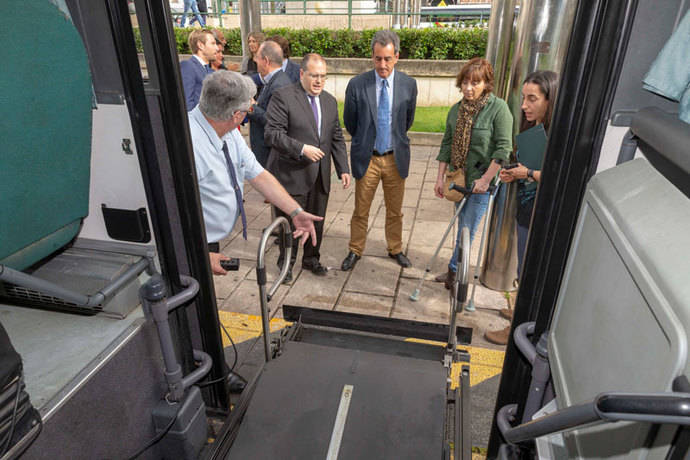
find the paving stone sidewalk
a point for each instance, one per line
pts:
(377, 285)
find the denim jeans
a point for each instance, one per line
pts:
(470, 217)
(191, 5)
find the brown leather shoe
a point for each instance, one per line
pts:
(441, 278)
(450, 279)
(498, 337)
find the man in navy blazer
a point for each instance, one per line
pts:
(268, 60)
(379, 110)
(194, 70)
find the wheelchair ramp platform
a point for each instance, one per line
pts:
(393, 407)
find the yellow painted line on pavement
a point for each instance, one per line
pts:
(484, 363)
(243, 327)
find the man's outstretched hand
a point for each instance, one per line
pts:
(304, 227)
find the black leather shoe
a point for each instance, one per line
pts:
(350, 261)
(318, 269)
(400, 258)
(236, 383)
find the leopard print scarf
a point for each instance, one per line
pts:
(463, 130)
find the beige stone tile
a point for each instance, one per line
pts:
(308, 290)
(436, 204)
(421, 258)
(353, 302)
(421, 153)
(428, 234)
(440, 214)
(410, 200)
(488, 299)
(245, 299)
(418, 166)
(374, 276)
(432, 307)
(225, 285)
(333, 251)
(340, 227)
(241, 248)
(259, 222)
(376, 242)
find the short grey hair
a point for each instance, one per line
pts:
(225, 92)
(271, 50)
(384, 37)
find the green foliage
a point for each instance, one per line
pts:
(432, 43)
(426, 119)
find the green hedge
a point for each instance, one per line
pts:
(438, 43)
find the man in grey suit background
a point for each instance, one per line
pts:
(269, 59)
(304, 132)
(379, 110)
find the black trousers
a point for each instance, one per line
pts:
(314, 202)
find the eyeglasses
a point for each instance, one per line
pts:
(246, 109)
(318, 76)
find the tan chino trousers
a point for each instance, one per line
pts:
(381, 169)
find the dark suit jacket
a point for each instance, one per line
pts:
(193, 74)
(292, 71)
(290, 125)
(258, 116)
(360, 119)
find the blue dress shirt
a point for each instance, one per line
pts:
(379, 83)
(217, 193)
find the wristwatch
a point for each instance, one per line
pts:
(297, 210)
(530, 175)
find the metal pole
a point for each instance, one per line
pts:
(349, 14)
(250, 21)
(499, 41)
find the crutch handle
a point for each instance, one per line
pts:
(457, 188)
(468, 191)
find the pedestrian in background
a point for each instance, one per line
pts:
(191, 5)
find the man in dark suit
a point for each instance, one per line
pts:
(304, 132)
(268, 60)
(194, 70)
(290, 68)
(379, 110)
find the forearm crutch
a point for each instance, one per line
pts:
(466, 192)
(487, 222)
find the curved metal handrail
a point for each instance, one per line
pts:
(264, 296)
(459, 294)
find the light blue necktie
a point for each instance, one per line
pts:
(383, 127)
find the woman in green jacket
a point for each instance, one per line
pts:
(478, 138)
